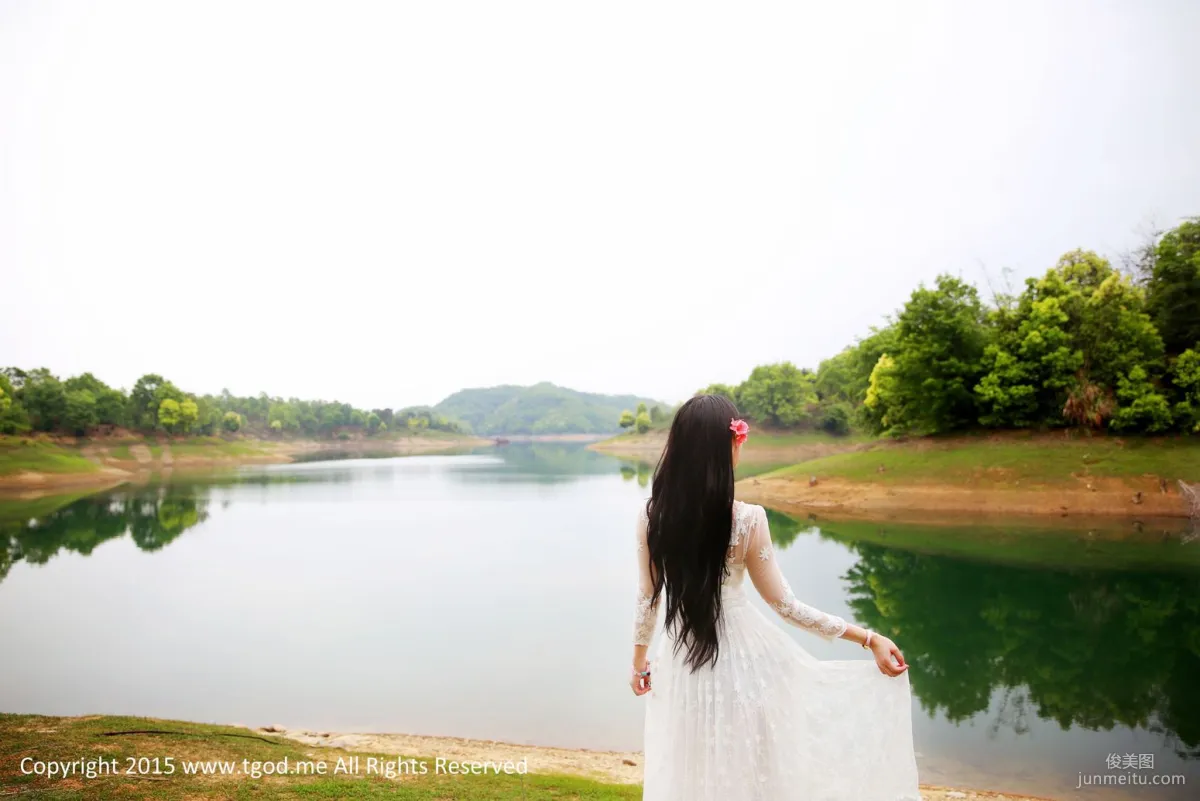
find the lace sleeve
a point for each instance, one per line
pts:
(773, 587)
(645, 614)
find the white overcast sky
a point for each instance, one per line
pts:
(384, 203)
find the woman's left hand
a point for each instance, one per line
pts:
(887, 656)
(640, 680)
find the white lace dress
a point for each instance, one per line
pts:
(769, 721)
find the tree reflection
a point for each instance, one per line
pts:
(1088, 648)
(153, 518)
(1048, 622)
(784, 528)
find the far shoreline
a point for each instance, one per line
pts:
(111, 464)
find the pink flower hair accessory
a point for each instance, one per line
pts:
(740, 429)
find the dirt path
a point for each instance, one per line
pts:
(1100, 497)
(623, 767)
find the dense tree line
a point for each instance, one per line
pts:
(1085, 345)
(37, 400)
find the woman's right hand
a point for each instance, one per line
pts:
(640, 683)
(887, 656)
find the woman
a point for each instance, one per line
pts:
(737, 709)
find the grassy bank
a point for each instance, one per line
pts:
(143, 740)
(41, 457)
(1010, 461)
(50, 739)
(1026, 474)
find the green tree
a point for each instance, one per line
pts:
(627, 419)
(1140, 406)
(656, 414)
(778, 394)
(642, 422)
(80, 416)
(939, 346)
(1186, 379)
(144, 401)
(169, 414)
(1173, 288)
(846, 376)
(373, 423)
(231, 422)
(287, 415)
(881, 394)
(45, 400)
(112, 407)
(835, 418)
(13, 419)
(1029, 370)
(276, 427)
(725, 390)
(189, 415)
(1116, 333)
(86, 381)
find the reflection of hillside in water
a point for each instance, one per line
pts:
(1079, 645)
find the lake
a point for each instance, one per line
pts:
(490, 595)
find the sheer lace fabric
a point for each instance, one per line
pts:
(769, 721)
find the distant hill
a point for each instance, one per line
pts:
(540, 409)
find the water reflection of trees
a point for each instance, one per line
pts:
(152, 518)
(643, 472)
(1089, 648)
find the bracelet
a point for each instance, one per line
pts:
(867, 641)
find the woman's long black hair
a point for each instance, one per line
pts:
(690, 517)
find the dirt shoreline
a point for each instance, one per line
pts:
(621, 767)
(1093, 497)
(112, 471)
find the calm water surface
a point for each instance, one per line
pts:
(490, 596)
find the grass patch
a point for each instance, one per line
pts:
(121, 452)
(214, 447)
(977, 461)
(49, 739)
(18, 454)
